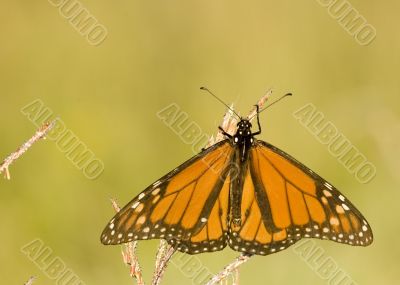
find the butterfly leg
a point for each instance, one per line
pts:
(258, 121)
(224, 133)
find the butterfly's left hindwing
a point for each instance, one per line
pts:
(188, 207)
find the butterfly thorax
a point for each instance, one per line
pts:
(243, 138)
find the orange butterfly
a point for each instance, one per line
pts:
(240, 192)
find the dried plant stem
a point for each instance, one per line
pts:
(236, 279)
(252, 114)
(40, 134)
(164, 254)
(231, 268)
(129, 255)
(30, 281)
(115, 205)
(162, 247)
(130, 258)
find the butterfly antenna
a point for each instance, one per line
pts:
(215, 96)
(276, 101)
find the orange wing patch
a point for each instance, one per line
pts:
(286, 169)
(298, 206)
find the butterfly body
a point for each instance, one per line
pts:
(242, 141)
(240, 192)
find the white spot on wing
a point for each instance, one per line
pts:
(155, 191)
(327, 193)
(339, 209)
(141, 220)
(334, 221)
(139, 208)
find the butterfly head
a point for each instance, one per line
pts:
(244, 127)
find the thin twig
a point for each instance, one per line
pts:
(40, 134)
(260, 104)
(115, 205)
(162, 247)
(230, 269)
(164, 254)
(228, 125)
(30, 281)
(130, 258)
(129, 255)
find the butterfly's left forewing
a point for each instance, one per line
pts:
(284, 201)
(188, 207)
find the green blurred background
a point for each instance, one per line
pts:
(159, 53)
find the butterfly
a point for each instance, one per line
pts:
(242, 192)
